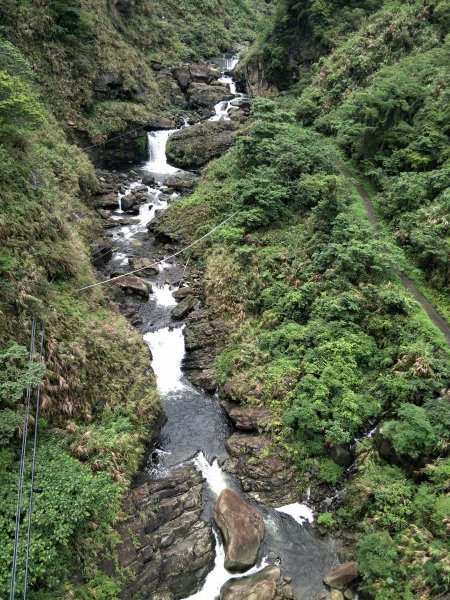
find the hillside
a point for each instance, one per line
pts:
(317, 236)
(100, 406)
(93, 58)
(322, 331)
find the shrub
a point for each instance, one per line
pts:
(412, 435)
(329, 471)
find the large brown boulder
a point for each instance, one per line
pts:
(131, 284)
(242, 527)
(194, 147)
(262, 586)
(342, 575)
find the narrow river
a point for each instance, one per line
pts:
(197, 427)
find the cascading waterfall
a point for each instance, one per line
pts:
(222, 108)
(196, 428)
(157, 162)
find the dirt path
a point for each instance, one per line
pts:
(433, 314)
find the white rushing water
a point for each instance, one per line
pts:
(163, 295)
(300, 512)
(167, 347)
(223, 107)
(157, 161)
(219, 575)
(213, 474)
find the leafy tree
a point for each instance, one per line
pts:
(412, 435)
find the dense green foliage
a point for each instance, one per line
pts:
(322, 333)
(383, 94)
(74, 44)
(98, 398)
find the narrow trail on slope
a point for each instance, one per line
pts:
(436, 318)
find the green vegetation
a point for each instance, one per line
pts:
(323, 333)
(77, 46)
(98, 400)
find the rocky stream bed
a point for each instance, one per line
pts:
(204, 520)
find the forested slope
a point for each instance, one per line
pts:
(99, 402)
(322, 331)
(93, 58)
(381, 92)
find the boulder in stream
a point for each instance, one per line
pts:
(205, 96)
(242, 527)
(184, 307)
(261, 586)
(147, 266)
(182, 292)
(194, 147)
(131, 284)
(339, 577)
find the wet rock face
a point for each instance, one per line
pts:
(200, 339)
(121, 150)
(267, 478)
(339, 577)
(166, 544)
(242, 527)
(262, 586)
(194, 147)
(248, 419)
(131, 284)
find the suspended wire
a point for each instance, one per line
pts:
(33, 467)
(158, 262)
(117, 137)
(22, 464)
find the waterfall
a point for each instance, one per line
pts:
(167, 347)
(157, 161)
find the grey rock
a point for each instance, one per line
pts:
(184, 307)
(194, 147)
(131, 284)
(166, 545)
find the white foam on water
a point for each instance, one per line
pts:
(167, 347)
(300, 512)
(219, 575)
(140, 221)
(163, 295)
(212, 473)
(163, 265)
(157, 162)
